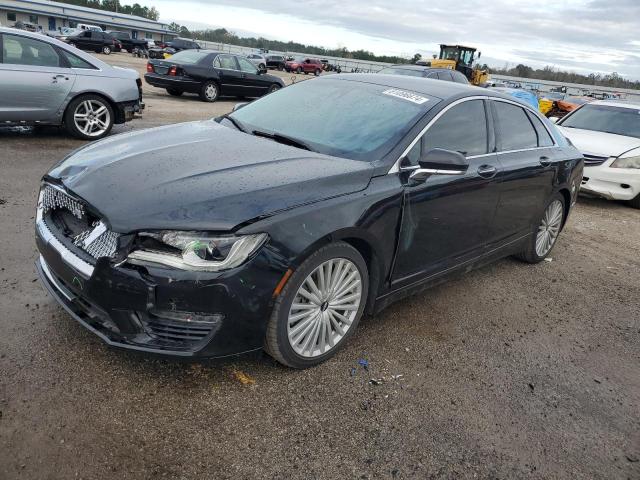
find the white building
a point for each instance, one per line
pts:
(49, 16)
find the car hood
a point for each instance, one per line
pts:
(201, 176)
(602, 144)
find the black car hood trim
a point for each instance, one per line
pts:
(201, 176)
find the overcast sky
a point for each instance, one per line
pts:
(578, 35)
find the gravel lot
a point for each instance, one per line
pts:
(511, 371)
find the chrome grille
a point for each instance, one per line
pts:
(53, 198)
(593, 160)
(96, 240)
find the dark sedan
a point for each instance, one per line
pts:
(210, 74)
(278, 225)
(445, 74)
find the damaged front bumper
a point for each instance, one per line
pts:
(162, 310)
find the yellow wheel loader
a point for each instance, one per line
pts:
(461, 58)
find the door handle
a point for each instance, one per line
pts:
(545, 161)
(487, 171)
(57, 77)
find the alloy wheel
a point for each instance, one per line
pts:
(211, 91)
(324, 307)
(92, 118)
(549, 228)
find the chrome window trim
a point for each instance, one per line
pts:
(396, 166)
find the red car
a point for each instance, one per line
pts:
(306, 65)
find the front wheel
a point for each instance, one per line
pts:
(319, 307)
(209, 91)
(106, 50)
(261, 67)
(274, 88)
(317, 72)
(89, 117)
(299, 70)
(544, 236)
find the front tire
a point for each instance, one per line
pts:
(89, 117)
(209, 91)
(273, 88)
(106, 50)
(299, 70)
(319, 307)
(544, 236)
(317, 72)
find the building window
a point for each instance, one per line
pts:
(73, 24)
(11, 16)
(33, 19)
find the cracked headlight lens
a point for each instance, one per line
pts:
(198, 251)
(629, 162)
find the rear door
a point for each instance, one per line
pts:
(34, 80)
(447, 219)
(528, 156)
(230, 74)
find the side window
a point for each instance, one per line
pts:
(544, 139)
(445, 76)
(77, 62)
(462, 128)
(246, 65)
(433, 75)
(226, 62)
(516, 130)
(26, 51)
(459, 78)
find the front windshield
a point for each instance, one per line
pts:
(402, 71)
(604, 118)
(356, 120)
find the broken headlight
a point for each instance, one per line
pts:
(196, 250)
(628, 162)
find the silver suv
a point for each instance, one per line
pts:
(44, 81)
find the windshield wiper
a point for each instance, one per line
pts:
(236, 123)
(282, 139)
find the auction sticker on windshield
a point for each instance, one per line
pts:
(412, 97)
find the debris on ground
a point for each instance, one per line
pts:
(363, 363)
(548, 259)
(242, 377)
(376, 381)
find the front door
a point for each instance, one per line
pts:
(34, 84)
(252, 84)
(447, 219)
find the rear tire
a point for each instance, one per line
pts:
(299, 70)
(317, 72)
(209, 91)
(635, 203)
(174, 93)
(545, 234)
(106, 50)
(323, 331)
(261, 67)
(89, 117)
(273, 88)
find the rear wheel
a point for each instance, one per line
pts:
(299, 70)
(89, 117)
(274, 87)
(106, 50)
(546, 233)
(173, 92)
(635, 203)
(209, 91)
(317, 72)
(319, 307)
(261, 67)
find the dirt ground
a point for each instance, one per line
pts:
(512, 371)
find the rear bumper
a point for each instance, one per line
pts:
(166, 81)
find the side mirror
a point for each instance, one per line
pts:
(238, 106)
(438, 161)
(554, 119)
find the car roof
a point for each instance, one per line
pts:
(617, 103)
(422, 68)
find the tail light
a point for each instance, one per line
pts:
(173, 71)
(149, 67)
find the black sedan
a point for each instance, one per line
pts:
(279, 225)
(210, 74)
(445, 74)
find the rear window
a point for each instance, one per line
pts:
(402, 71)
(189, 56)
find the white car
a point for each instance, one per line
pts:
(607, 132)
(258, 60)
